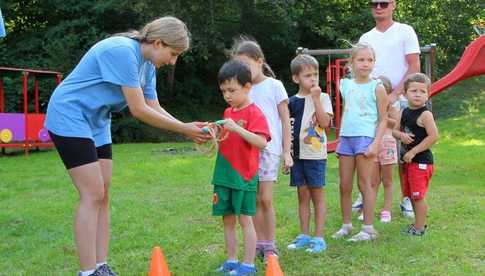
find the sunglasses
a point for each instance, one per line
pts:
(383, 5)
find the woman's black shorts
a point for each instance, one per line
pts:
(76, 151)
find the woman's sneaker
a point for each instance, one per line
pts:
(244, 269)
(343, 232)
(317, 245)
(228, 267)
(363, 236)
(385, 217)
(301, 241)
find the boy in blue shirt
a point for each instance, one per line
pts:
(310, 113)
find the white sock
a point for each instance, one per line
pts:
(347, 226)
(368, 228)
(231, 261)
(100, 264)
(87, 272)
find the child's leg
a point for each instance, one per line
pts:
(420, 210)
(230, 236)
(264, 220)
(249, 235)
(376, 180)
(318, 200)
(304, 209)
(386, 171)
(346, 171)
(365, 168)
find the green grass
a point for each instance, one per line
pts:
(164, 199)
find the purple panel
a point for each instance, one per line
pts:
(15, 122)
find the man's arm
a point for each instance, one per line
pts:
(414, 66)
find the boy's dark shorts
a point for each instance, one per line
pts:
(228, 201)
(308, 172)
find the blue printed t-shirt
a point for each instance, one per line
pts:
(81, 105)
(309, 140)
(360, 108)
(2, 25)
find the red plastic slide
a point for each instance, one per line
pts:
(472, 63)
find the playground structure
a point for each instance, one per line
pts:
(472, 63)
(24, 130)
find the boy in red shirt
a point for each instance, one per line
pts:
(236, 171)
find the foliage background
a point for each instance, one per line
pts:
(54, 34)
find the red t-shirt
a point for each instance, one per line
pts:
(238, 161)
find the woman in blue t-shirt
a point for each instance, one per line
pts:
(116, 72)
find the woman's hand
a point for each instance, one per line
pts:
(194, 131)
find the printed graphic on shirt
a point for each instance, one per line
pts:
(309, 140)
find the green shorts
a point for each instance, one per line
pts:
(227, 201)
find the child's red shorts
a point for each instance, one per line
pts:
(416, 178)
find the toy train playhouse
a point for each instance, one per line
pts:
(25, 130)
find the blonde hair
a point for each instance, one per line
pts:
(417, 77)
(302, 61)
(359, 47)
(249, 47)
(170, 30)
(386, 83)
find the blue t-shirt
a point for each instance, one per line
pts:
(81, 105)
(2, 26)
(360, 108)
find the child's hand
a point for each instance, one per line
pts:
(230, 125)
(408, 157)
(287, 163)
(372, 151)
(315, 92)
(407, 138)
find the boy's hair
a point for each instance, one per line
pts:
(417, 77)
(170, 30)
(249, 47)
(302, 61)
(386, 83)
(234, 69)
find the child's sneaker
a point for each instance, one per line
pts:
(228, 267)
(407, 208)
(317, 245)
(363, 236)
(95, 273)
(412, 231)
(301, 241)
(344, 231)
(385, 216)
(358, 204)
(361, 216)
(268, 252)
(244, 269)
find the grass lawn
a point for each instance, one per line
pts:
(159, 198)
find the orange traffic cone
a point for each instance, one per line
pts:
(273, 268)
(158, 266)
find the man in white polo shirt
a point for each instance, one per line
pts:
(397, 55)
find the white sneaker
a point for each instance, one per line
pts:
(344, 231)
(358, 204)
(363, 236)
(406, 208)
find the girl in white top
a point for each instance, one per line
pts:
(270, 96)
